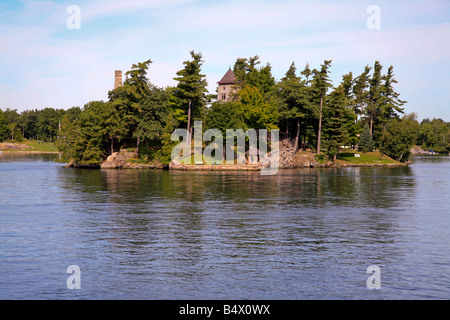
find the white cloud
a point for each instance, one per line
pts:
(50, 65)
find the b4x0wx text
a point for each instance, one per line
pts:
(246, 309)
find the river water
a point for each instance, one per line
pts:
(301, 234)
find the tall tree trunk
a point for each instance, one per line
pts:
(319, 134)
(112, 145)
(297, 136)
(189, 122)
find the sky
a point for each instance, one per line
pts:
(62, 54)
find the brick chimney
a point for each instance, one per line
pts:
(118, 79)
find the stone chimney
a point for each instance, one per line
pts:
(118, 79)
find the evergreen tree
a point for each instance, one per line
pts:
(390, 103)
(293, 98)
(360, 91)
(335, 125)
(248, 74)
(351, 116)
(366, 142)
(126, 103)
(190, 93)
(333, 149)
(373, 106)
(320, 84)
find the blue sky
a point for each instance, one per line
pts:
(43, 63)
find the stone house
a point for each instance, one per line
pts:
(226, 86)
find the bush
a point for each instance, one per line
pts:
(333, 150)
(399, 138)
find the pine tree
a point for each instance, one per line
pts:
(390, 103)
(249, 74)
(373, 107)
(320, 84)
(366, 142)
(127, 101)
(335, 125)
(190, 92)
(292, 95)
(360, 91)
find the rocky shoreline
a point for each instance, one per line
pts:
(287, 160)
(20, 147)
(5, 146)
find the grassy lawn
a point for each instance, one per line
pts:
(38, 145)
(374, 157)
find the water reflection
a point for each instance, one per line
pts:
(303, 233)
(199, 224)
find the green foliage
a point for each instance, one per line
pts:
(166, 139)
(332, 149)
(249, 74)
(400, 136)
(337, 117)
(365, 141)
(3, 127)
(434, 135)
(390, 103)
(83, 139)
(153, 117)
(293, 96)
(321, 158)
(126, 102)
(256, 111)
(376, 99)
(189, 97)
(320, 84)
(223, 116)
(306, 106)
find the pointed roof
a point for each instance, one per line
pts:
(228, 78)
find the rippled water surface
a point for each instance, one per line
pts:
(301, 234)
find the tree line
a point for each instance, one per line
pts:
(363, 110)
(30, 124)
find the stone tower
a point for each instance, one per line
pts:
(226, 86)
(118, 79)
